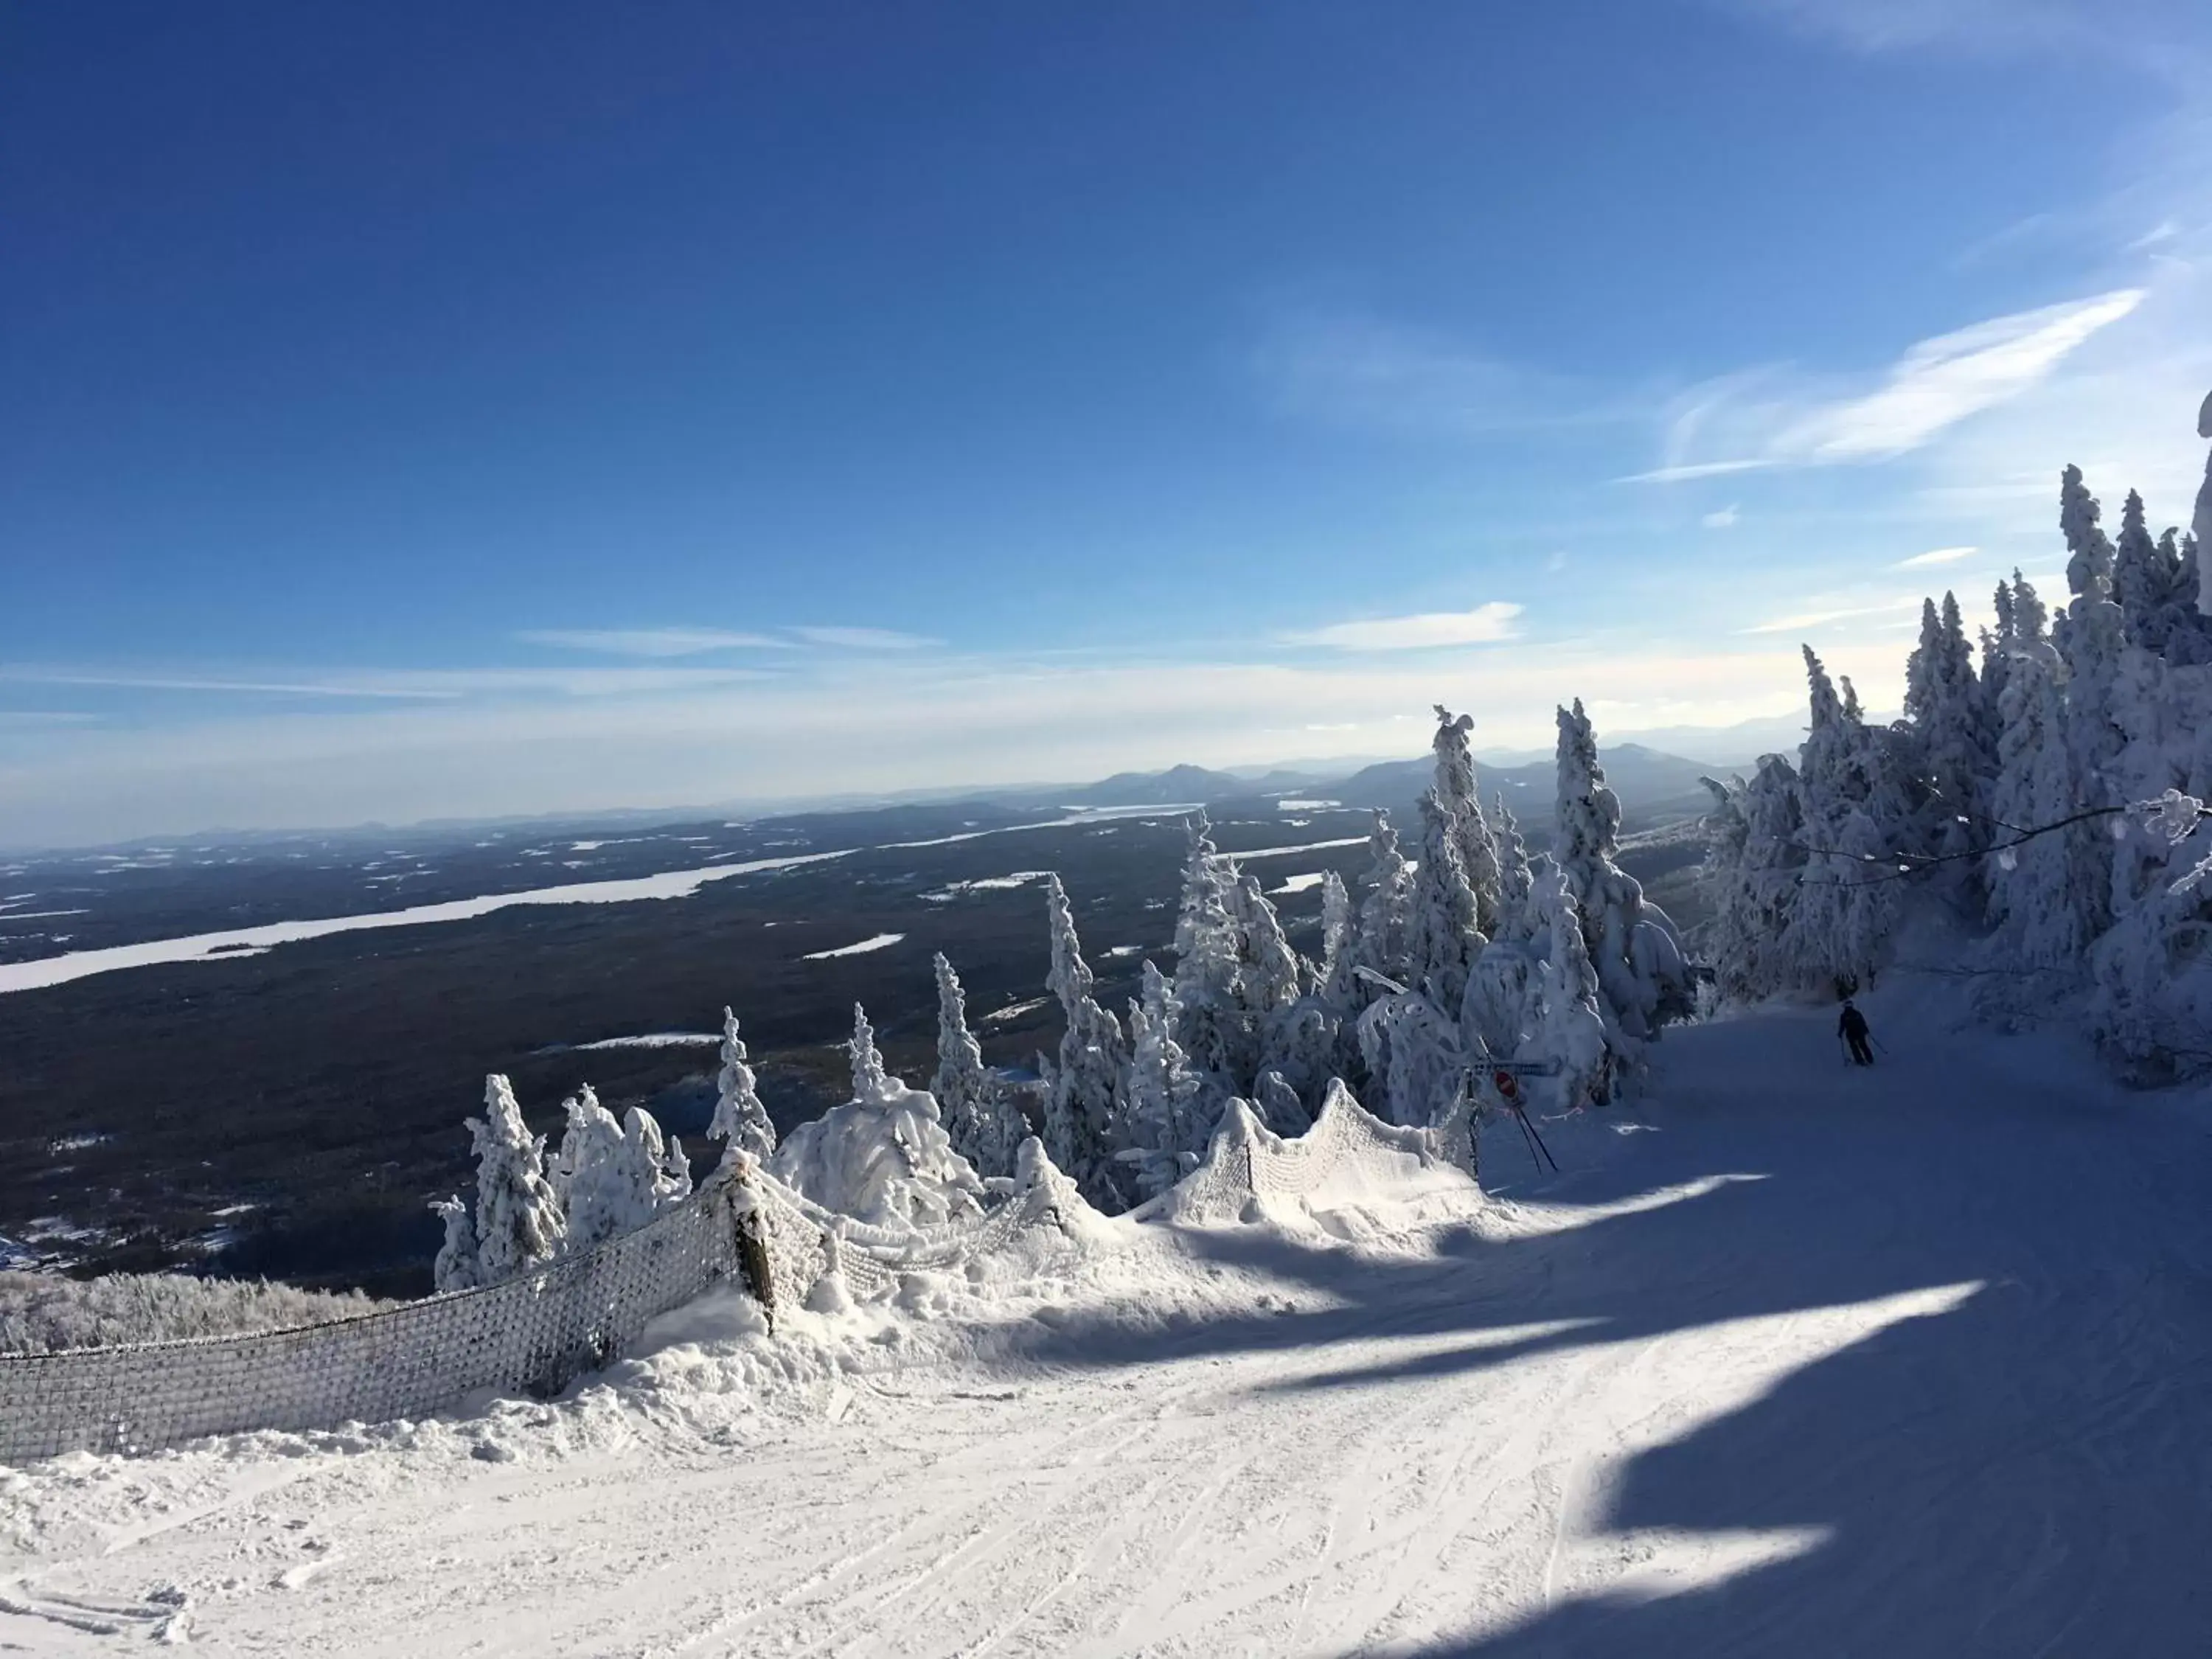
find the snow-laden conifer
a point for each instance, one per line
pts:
(675, 1185)
(870, 1080)
(2033, 882)
(1269, 975)
(1339, 935)
(1442, 938)
(1081, 1115)
(455, 1268)
(2201, 524)
(1471, 832)
(883, 1157)
(1207, 968)
(644, 1166)
(1573, 1031)
(1513, 873)
(596, 1180)
(740, 1121)
(1630, 943)
(1389, 892)
(1163, 1109)
(983, 1125)
(519, 1221)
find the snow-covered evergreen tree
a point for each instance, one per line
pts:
(1278, 1106)
(1859, 808)
(2200, 525)
(1755, 861)
(615, 1175)
(1081, 1120)
(1205, 977)
(984, 1126)
(1417, 1058)
(881, 1157)
(455, 1268)
(592, 1180)
(1269, 975)
(1163, 1110)
(1390, 885)
(1503, 1005)
(519, 1221)
(1513, 874)
(1442, 938)
(870, 1080)
(1471, 832)
(1632, 943)
(1339, 933)
(1949, 714)
(2033, 884)
(740, 1121)
(1573, 1032)
(645, 1162)
(2090, 638)
(675, 1185)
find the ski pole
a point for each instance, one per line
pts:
(1525, 1139)
(1537, 1138)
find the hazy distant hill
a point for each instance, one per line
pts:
(1654, 787)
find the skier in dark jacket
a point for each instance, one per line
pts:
(1853, 1028)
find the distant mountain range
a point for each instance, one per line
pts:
(1655, 788)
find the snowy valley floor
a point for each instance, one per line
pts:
(1793, 1359)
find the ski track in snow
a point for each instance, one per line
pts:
(1908, 1362)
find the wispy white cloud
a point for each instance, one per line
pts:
(302, 687)
(403, 685)
(2165, 38)
(650, 642)
(1771, 422)
(1685, 472)
(1940, 382)
(1722, 519)
(1934, 556)
(1486, 624)
(1806, 622)
(865, 638)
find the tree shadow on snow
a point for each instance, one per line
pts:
(2027, 1470)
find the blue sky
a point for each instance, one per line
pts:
(415, 412)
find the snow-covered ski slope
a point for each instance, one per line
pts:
(1794, 1359)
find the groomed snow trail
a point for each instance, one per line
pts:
(1795, 1360)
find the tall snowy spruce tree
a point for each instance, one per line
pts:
(983, 1123)
(1080, 1118)
(1163, 1111)
(1442, 938)
(1207, 967)
(520, 1224)
(1632, 943)
(740, 1121)
(1381, 941)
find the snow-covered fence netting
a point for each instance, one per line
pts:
(536, 1331)
(1349, 1156)
(806, 1244)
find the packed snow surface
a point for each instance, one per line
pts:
(1793, 1359)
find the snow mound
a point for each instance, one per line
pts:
(1336, 1177)
(883, 1158)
